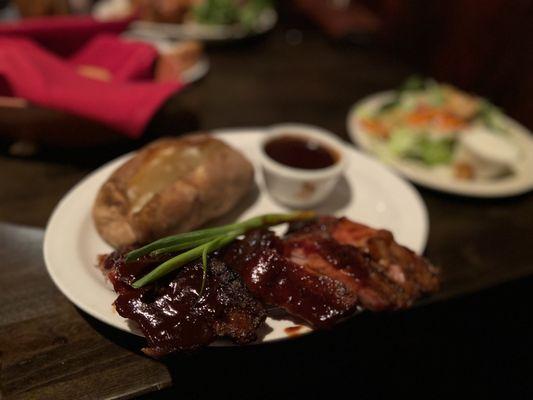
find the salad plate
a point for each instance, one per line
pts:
(369, 193)
(431, 158)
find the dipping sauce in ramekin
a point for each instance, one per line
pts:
(302, 152)
(301, 164)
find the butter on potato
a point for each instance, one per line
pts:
(172, 185)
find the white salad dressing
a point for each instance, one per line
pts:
(491, 154)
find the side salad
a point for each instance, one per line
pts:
(426, 121)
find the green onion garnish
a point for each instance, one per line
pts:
(200, 243)
(204, 268)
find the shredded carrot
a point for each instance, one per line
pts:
(375, 127)
(439, 118)
(422, 115)
(449, 121)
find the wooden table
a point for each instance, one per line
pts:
(51, 350)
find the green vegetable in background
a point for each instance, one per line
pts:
(227, 12)
(218, 12)
(251, 11)
(434, 152)
(402, 141)
(405, 143)
(413, 83)
(491, 116)
(435, 93)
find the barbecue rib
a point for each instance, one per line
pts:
(173, 316)
(326, 269)
(322, 271)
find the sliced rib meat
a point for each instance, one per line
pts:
(408, 275)
(326, 269)
(275, 280)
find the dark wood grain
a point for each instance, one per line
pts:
(52, 350)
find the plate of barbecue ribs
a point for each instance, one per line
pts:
(181, 242)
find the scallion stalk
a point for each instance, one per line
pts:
(183, 246)
(202, 242)
(191, 237)
(175, 240)
(184, 258)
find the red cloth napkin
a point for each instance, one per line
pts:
(30, 72)
(126, 60)
(62, 34)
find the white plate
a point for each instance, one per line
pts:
(441, 177)
(370, 193)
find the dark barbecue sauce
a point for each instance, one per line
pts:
(171, 314)
(300, 152)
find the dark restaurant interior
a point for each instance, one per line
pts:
(266, 199)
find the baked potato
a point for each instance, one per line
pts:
(170, 186)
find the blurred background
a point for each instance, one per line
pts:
(326, 53)
(83, 81)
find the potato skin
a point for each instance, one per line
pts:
(206, 191)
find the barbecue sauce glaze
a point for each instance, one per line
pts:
(261, 260)
(171, 313)
(322, 271)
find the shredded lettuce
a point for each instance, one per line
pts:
(435, 95)
(405, 143)
(491, 116)
(414, 82)
(409, 101)
(402, 141)
(434, 152)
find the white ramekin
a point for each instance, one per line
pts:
(295, 187)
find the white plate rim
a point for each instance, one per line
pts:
(513, 186)
(190, 75)
(416, 203)
(196, 71)
(195, 31)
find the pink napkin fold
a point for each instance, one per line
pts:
(126, 60)
(120, 101)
